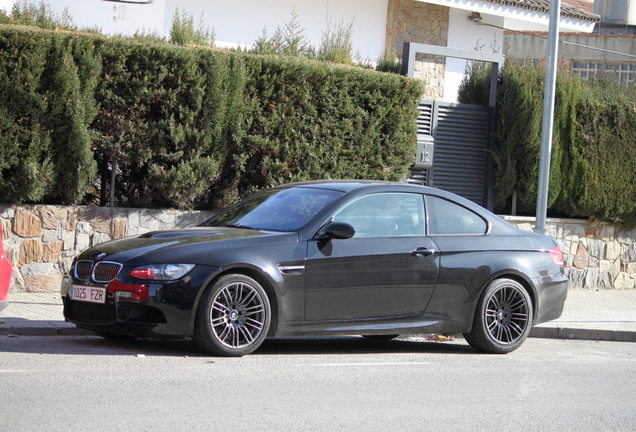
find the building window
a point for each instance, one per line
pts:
(626, 72)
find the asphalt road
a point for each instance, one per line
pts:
(341, 384)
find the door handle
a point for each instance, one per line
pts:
(422, 252)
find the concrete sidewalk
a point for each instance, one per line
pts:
(593, 315)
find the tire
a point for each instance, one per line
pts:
(233, 317)
(503, 318)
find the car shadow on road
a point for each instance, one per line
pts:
(360, 345)
(95, 345)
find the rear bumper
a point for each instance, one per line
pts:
(552, 292)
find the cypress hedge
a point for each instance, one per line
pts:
(46, 106)
(187, 127)
(593, 165)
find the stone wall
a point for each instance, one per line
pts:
(41, 241)
(415, 21)
(596, 255)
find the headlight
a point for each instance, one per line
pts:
(162, 271)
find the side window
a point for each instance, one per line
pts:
(385, 214)
(445, 217)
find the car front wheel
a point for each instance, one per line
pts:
(234, 316)
(503, 318)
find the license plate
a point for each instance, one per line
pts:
(88, 294)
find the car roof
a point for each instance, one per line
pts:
(363, 186)
(349, 185)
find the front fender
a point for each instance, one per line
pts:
(286, 290)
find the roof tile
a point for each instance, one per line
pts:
(568, 9)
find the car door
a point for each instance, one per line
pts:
(466, 252)
(388, 268)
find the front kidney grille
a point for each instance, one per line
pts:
(83, 269)
(102, 272)
(106, 271)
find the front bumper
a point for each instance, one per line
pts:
(126, 318)
(167, 311)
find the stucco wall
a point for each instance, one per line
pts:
(235, 22)
(467, 35)
(41, 241)
(243, 21)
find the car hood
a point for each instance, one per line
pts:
(189, 245)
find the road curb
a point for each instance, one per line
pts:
(61, 328)
(43, 328)
(583, 334)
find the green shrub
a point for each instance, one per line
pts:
(187, 127)
(593, 163)
(40, 16)
(184, 32)
(150, 99)
(71, 109)
(389, 62)
(47, 81)
(25, 163)
(289, 40)
(336, 44)
(605, 160)
(475, 87)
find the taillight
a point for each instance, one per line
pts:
(556, 255)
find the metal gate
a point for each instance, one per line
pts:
(461, 162)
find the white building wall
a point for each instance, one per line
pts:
(467, 35)
(110, 17)
(242, 22)
(488, 35)
(235, 22)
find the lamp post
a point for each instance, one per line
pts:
(548, 117)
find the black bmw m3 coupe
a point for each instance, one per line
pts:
(324, 258)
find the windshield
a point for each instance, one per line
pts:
(276, 209)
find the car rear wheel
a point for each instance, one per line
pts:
(503, 318)
(233, 317)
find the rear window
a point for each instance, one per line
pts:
(446, 217)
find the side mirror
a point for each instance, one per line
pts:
(339, 230)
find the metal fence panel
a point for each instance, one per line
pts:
(460, 159)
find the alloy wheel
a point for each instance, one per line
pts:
(507, 314)
(238, 315)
